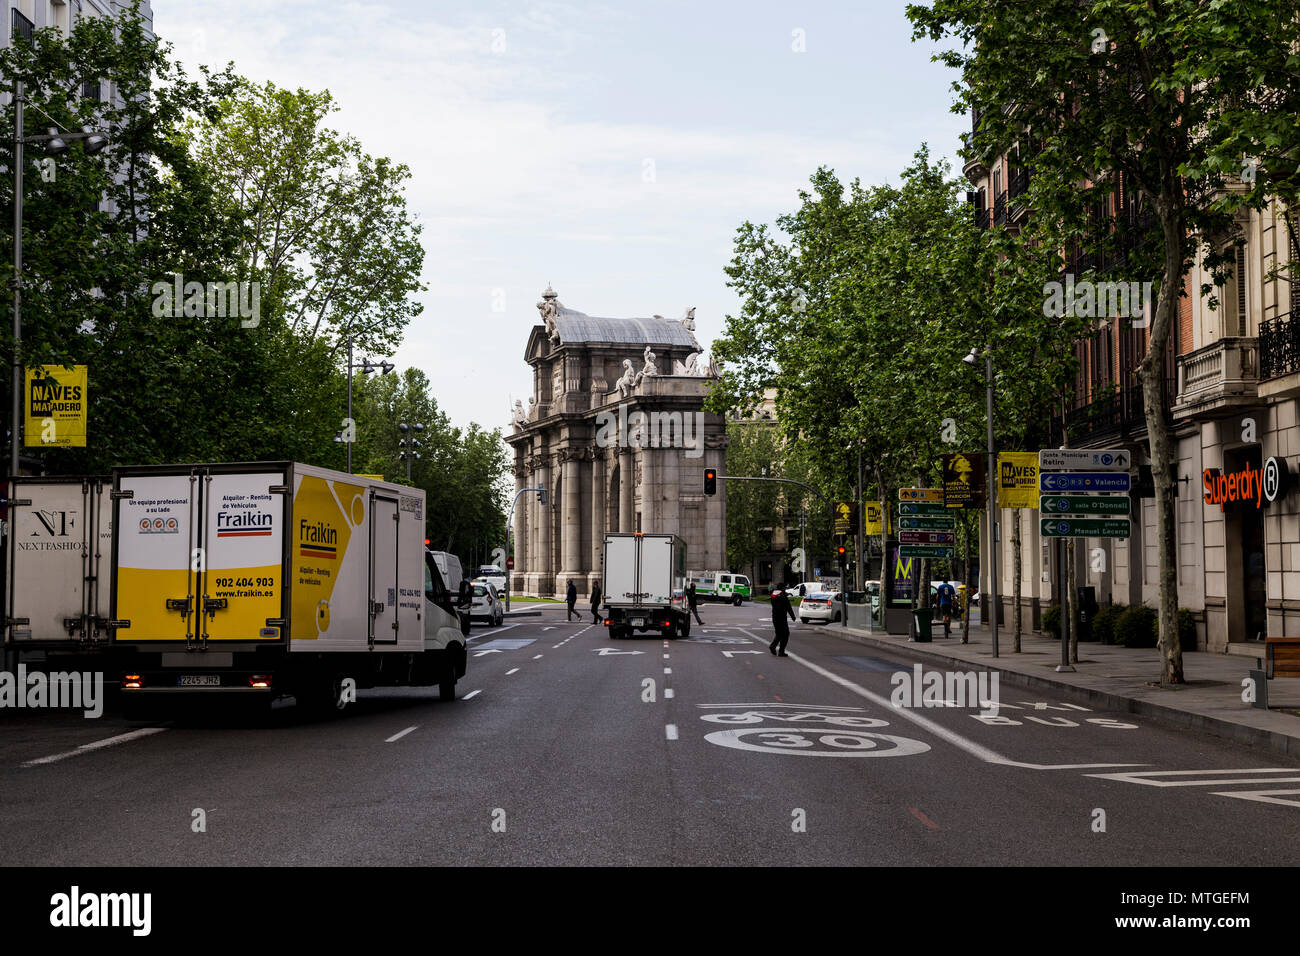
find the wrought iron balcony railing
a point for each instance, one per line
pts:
(1279, 346)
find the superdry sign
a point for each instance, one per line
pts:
(1251, 487)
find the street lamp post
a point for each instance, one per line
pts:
(56, 145)
(349, 434)
(990, 489)
(408, 445)
(509, 518)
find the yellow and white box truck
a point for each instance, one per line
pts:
(276, 578)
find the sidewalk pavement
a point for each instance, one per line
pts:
(1120, 678)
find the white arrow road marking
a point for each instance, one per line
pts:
(97, 745)
(606, 651)
(1263, 796)
(399, 735)
(943, 733)
(734, 653)
(1199, 778)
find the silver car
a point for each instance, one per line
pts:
(822, 606)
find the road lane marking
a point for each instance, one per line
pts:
(1199, 778)
(473, 693)
(976, 750)
(511, 671)
(399, 735)
(665, 657)
(1262, 796)
(668, 670)
(670, 731)
(668, 693)
(535, 656)
(97, 745)
(915, 811)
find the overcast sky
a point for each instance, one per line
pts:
(610, 149)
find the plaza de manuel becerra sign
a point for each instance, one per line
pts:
(1249, 487)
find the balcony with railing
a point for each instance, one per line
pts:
(1279, 355)
(1118, 414)
(1000, 209)
(1219, 376)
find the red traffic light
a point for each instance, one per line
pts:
(710, 481)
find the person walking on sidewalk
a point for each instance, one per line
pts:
(694, 602)
(571, 596)
(780, 608)
(595, 602)
(947, 599)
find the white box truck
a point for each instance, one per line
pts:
(59, 568)
(274, 578)
(643, 585)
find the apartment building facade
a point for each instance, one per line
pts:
(1232, 386)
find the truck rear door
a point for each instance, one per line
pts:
(620, 585)
(156, 577)
(383, 568)
(657, 568)
(243, 546)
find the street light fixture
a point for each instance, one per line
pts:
(408, 445)
(366, 367)
(990, 489)
(56, 144)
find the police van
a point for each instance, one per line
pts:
(721, 586)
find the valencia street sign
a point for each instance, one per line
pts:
(1083, 481)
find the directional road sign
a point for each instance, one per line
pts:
(1084, 527)
(927, 524)
(1084, 504)
(926, 551)
(927, 537)
(1085, 459)
(921, 494)
(922, 508)
(1083, 481)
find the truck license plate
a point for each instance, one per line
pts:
(638, 622)
(200, 680)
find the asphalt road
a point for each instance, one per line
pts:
(565, 747)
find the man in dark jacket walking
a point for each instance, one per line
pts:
(780, 609)
(693, 601)
(595, 602)
(571, 597)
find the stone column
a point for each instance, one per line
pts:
(520, 529)
(571, 520)
(626, 504)
(649, 490)
(542, 558)
(597, 514)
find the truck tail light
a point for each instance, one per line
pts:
(608, 622)
(132, 680)
(260, 681)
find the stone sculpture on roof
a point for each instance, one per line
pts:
(549, 307)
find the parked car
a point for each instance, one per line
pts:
(486, 604)
(825, 606)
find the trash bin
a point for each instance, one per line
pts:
(923, 616)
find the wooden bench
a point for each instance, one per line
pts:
(1281, 659)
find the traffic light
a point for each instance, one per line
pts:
(710, 481)
(541, 496)
(842, 554)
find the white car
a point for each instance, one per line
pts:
(485, 604)
(822, 606)
(492, 574)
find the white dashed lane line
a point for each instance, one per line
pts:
(97, 745)
(670, 731)
(473, 693)
(399, 735)
(512, 671)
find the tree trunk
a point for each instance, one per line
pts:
(1159, 434)
(1015, 587)
(970, 578)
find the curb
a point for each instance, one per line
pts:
(1215, 726)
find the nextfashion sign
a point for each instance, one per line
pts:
(1252, 487)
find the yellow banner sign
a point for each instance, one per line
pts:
(873, 512)
(1018, 479)
(56, 406)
